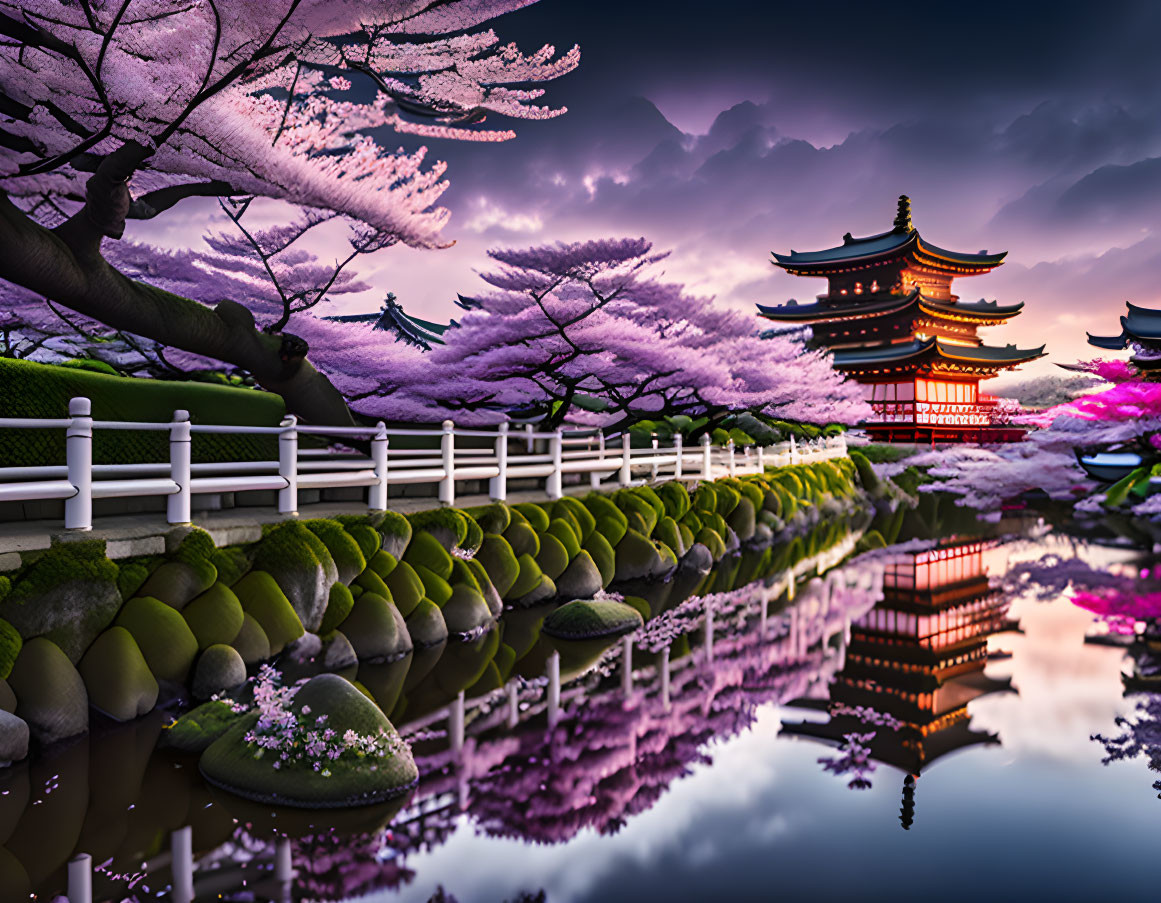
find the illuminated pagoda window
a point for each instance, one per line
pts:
(891, 321)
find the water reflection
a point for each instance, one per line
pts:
(892, 659)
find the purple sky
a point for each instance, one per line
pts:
(729, 130)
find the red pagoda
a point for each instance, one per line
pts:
(892, 323)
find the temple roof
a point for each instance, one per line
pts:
(933, 348)
(988, 310)
(1142, 325)
(883, 303)
(902, 238)
(392, 318)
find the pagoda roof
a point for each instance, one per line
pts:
(900, 239)
(393, 318)
(852, 306)
(933, 349)
(986, 310)
(1143, 324)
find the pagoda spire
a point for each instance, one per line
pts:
(903, 215)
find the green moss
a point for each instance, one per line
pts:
(302, 566)
(10, 643)
(345, 552)
(376, 629)
(668, 533)
(382, 563)
(528, 578)
(176, 582)
(566, 534)
(134, 572)
(215, 617)
(369, 541)
(563, 514)
(465, 610)
(462, 573)
(261, 597)
(67, 594)
(581, 579)
(426, 625)
(742, 519)
(587, 619)
(504, 660)
(50, 693)
(474, 537)
(498, 559)
(727, 499)
(231, 563)
(637, 557)
(580, 514)
(435, 587)
(639, 514)
(612, 529)
(704, 498)
(753, 492)
(369, 581)
(553, 556)
(199, 727)
(523, 539)
(492, 518)
(339, 606)
(230, 762)
(536, 515)
(162, 635)
(406, 587)
(251, 642)
(713, 541)
(675, 498)
(639, 604)
(117, 679)
(395, 532)
(602, 554)
(424, 549)
(449, 526)
(647, 495)
(602, 508)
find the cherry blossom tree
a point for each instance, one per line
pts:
(113, 110)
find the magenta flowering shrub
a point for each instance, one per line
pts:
(303, 737)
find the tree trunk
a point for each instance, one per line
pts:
(66, 266)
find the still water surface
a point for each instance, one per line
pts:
(964, 675)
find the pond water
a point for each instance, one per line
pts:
(919, 721)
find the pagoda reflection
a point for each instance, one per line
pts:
(913, 665)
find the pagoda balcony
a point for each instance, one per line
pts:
(933, 413)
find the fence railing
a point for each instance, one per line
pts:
(498, 455)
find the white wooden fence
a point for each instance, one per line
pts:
(509, 455)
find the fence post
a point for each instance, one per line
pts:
(455, 725)
(653, 465)
(447, 444)
(283, 862)
(181, 845)
(626, 475)
(664, 666)
(793, 452)
(498, 488)
(531, 439)
(79, 457)
(513, 703)
(553, 688)
(177, 505)
(709, 633)
(627, 665)
(731, 464)
(553, 487)
(679, 450)
(80, 876)
(380, 448)
(761, 459)
(707, 466)
(288, 465)
(595, 476)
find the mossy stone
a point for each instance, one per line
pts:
(581, 579)
(580, 514)
(134, 572)
(713, 541)
(231, 563)
(693, 520)
(68, 595)
(338, 655)
(637, 558)
(425, 550)
(426, 625)
(504, 661)
(499, 560)
(742, 519)
(251, 642)
(7, 697)
(612, 529)
(303, 568)
(177, 582)
(753, 492)
(117, 679)
(686, 535)
(369, 581)
(587, 619)
(527, 579)
(218, 669)
(639, 604)
(376, 629)
(553, 556)
(537, 516)
(522, 538)
(369, 541)
(544, 590)
(434, 586)
(50, 693)
(339, 606)
(465, 611)
(345, 552)
(602, 554)
(406, 588)
(199, 727)
(487, 590)
(13, 743)
(675, 497)
(492, 518)
(394, 532)
(215, 617)
(704, 498)
(667, 532)
(602, 507)
(718, 524)
(474, 537)
(561, 529)
(639, 514)
(647, 495)
(563, 514)
(262, 597)
(462, 573)
(448, 526)
(10, 643)
(382, 563)
(162, 635)
(230, 762)
(728, 498)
